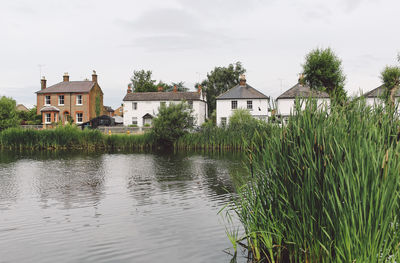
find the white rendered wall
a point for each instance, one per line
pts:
(151, 107)
(285, 107)
(224, 108)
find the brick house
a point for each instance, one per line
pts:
(76, 99)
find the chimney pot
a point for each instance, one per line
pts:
(66, 77)
(160, 89)
(43, 83)
(175, 88)
(242, 80)
(94, 76)
(129, 89)
(199, 88)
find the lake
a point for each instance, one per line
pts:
(76, 207)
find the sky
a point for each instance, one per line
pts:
(183, 40)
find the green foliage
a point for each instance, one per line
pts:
(97, 106)
(71, 137)
(142, 82)
(391, 79)
(323, 71)
(220, 80)
(172, 122)
(324, 188)
(241, 118)
(29, 117)
(8, 113)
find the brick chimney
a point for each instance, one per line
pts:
(94, 76)
(43, 83)
(199, 89)
(160, 89)
(175, 88)
(66, 77)
(129, 89)
(242, 80)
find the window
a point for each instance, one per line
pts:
(79, 117)
(134, 105)
(249, 104)
(190, 102)
(47, 118)
(134, 120)
(61, 100)
(223, 121)
(163, 104)
(234, 104)
(47, 100)
(78, 99)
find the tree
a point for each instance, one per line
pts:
(241, 119)
(29, 117)
(142, 82)
(322, 71)
(391, 79)
(8, 113)
(220, 80)
(172, 122)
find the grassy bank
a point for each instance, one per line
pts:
(324, 189)
(69, 137)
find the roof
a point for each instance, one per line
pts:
(378, 92)
(161, 96)
(69, 86)
(108, 108)
(21, 107)
(242, 92)
(49, 108)
(148, 116)
(300, 90)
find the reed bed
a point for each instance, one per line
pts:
(70, 137)
(324, 189)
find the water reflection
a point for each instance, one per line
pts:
(77, 207)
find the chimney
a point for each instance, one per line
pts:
(160, 89)
(301, 78)
(175, 88)
(129, 89)
(43, 83)
(66, 77)
(242, 80)
(199, 89)
(94, 76)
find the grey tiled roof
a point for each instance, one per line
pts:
(108, 108)
(378, 92)
(162, 96)
(242, 92)
(299, 90)
(69, 86)
(49, 108)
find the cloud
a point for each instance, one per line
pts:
(169, 29)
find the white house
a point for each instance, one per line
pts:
(286, 101)
(141, 107)
(375, 96)
(242, 96)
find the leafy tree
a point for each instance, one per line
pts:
(29, 117)
(241, 118)
(172, 122)
(142, 82)
(323, 71)
(8, 113)
(220, 80)
(391, 79)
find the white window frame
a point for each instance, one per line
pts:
(234, 102)
(77, 118)
(134, 121)
(59, 100)
(223, 121)
(250, 103)
(134, 105)
(47, 118)
(45, 100)
(77, 99)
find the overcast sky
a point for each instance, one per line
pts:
(182, 40)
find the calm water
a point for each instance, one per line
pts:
(114, 207)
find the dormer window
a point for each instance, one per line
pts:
(47, 100)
